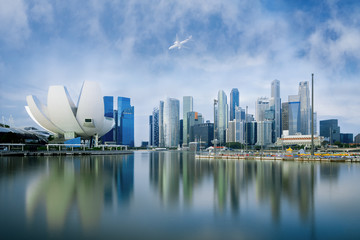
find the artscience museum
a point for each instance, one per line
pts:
(63, 118)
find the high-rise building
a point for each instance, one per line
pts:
(234, 102)
(294, 114)
(125, 122)
(231, 131)
(123, 131)
(221, 117)
(204, 133)
(357, 138)
(346, 138)
(239, 128)
(285, 116)
(264, 133)
(261, 105)
(276, 103)
(154, 128)
(251, 133)
(305, 109)
(330, 129)
(109, 112)
(171, 122)
(151, 131)
(161, 124)
(193, 118)
(187, 107)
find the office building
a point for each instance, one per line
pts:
(125, 127)
(251, 133)
(261, 105)
(357, 139)
(294, 114)
(346, 138)
(231, 132)
(154, 128)
(285, 116)
(171, 122)
(161, 124)
(276, 105)
(330, 130)
(221, 117)
(264, 133)
(234, 102)
(187, 107)
(305, 109)
(193, 118)
(204, 133)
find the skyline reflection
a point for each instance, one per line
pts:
(156, 194)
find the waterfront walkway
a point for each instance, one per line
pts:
(285, 157)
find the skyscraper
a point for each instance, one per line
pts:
(161, 124)
(261, 105)
(234, 102)
(221, 116)
(264, 133)
(276, 102)
(285, 116)
(109, 112)
(123, 131)
(154, 128)
(125, 122)
(305, 110)
(187, 107)
(171, 122)
(294, 114)
(330, 129)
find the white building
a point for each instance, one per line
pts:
(62, 117)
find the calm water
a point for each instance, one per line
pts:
(170, 195)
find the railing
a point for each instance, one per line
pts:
(59, 147)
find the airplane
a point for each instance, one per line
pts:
(178, 44)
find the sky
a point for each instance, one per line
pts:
(123, 45)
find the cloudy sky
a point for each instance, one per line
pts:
(235, 44)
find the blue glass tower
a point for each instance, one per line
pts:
(234, 102)
(109, 112)
(125, 125)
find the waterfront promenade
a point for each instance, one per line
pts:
(322, 157)
(8, 149)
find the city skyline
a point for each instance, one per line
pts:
(124, 47)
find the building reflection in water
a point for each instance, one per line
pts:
(233, 180)
(80, 184)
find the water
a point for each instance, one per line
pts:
(170, 195)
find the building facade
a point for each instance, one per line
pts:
(261, 105)
(276, 105)
(204, 132)
(171, 122)
(234, 102)
(221, 117)
(305, 109)
(330, 130)
(294, 114)
(125, 133)
(187, 107)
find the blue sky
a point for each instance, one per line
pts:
(235, 44)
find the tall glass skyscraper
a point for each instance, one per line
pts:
(261, 105)
(234, 102)
(161, 125)
(222, 117)
(187, 107)
(109, 112)
(305, 109)
(294, 114)
(125, 122)
(123, 131)
(171, 122)
(276, 104)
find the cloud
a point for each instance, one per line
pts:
(14, 27)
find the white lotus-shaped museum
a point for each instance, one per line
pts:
(62, 117)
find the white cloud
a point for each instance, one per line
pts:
(14, 27)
